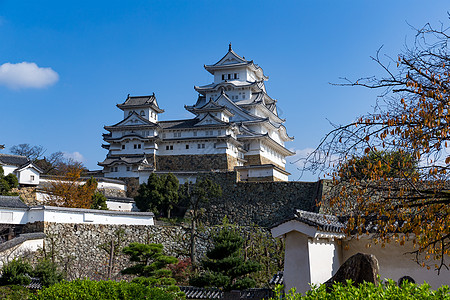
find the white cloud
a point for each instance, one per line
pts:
(77, 156)
(300, 155)
(26, 75)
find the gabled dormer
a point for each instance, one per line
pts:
(145, 106)
(221, 112)
(233, 67)
(209, 119)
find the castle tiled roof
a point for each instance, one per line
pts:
(324, 222)
(178, 124)
(123, 159)
(12, 202)
(140, 101)
(13, 160)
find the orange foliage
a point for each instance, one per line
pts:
(67, 190)
(413, 117)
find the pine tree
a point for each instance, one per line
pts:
(224, 265)
(151, 264)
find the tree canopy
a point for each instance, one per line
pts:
(412, 118)
(159, 194)
(196, 195)
(7, 182)
(224, 265)
(67, 190)
(150, 262)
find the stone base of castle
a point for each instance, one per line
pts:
(205, 162)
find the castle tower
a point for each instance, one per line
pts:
(236, 127)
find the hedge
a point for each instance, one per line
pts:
(389, 290)
(106, 290)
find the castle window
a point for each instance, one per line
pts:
(219, 132)
(195, 133)
(128, 169)
(142, 113)
(187, 146)
(236, 76)
(123, 146)
(215, 145)
(31, 177)
(223, 76)
(169, 147)
(229, 76)
(139, 146)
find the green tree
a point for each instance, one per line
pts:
(224, 265)
(48, 273)
(99, 201)
(159, 194)
(197, 195)
(151, 264)
(7, 182)
(16, 271)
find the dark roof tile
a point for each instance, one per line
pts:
(12, 202)
(14, 160)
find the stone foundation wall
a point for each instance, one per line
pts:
(112, 192)
(232, 162)
(132, 186)
(205, 162)
(83, 250)
(261, 203)
(260, 160)
(27, 194)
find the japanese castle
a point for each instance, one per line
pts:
(235, 127)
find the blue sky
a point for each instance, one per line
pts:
(83, 57)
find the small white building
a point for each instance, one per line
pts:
(26, 172)
(316, 248)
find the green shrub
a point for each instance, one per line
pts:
(47, 272)
(106, 290)
(390, 290)
(16, 271)
(14, 292)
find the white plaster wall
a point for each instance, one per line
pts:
(179, 148)
(24, 176)
(394, 263)
(112, 185)
(280, 175)
(121, 172)
(273, 155)
(323, 258)
(53, 214)
(25, 247)
(120, 206)
(296, 262)
(13, 216)
(260, 172)
(8, 169)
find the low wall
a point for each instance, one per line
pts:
(84, 250)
